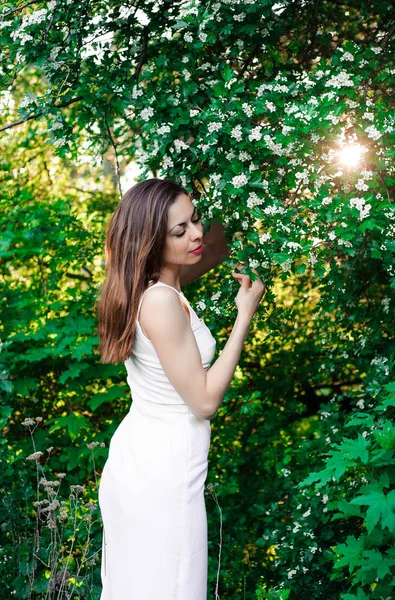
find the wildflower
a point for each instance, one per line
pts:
(325, 498)
(34, 456)
(188, 37)
(92, 445)
(28, 422)
(270, 106)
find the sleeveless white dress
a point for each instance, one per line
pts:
(151, 493)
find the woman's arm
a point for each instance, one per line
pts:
(215, 249)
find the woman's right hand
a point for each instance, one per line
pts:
(249, 294)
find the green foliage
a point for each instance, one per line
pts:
(250, 106)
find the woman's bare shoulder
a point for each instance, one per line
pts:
(158, 306)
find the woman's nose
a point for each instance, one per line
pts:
(197, 231)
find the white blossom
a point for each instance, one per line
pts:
(247, 109)
(147, 113)
(255, 134)
(188, 37)
(212, 127)
(373, 132)
(342, 79)
(236, 133)
(347, 56)
(239, 180)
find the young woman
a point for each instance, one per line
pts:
(151, 493)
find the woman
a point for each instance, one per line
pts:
(151, 492)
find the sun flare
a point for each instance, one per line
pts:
(351, 155)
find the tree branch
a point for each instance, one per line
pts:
(18, 8)
(143, 56)
(39, 114)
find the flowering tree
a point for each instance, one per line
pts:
(278, 118)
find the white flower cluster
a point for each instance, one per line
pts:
(361, 185)
(292, 245)
(163, 129)
(239, 181)
(247, 109)
(347, 56)
(274, 210)
(254, 200)
(243, 156)
(360, 204)
(265, 237)
(386, 303)
(276, 148)
(342, 79)
(239, 17)
(34, 18)
(237, 133)
(255, 134)
(193, 112)
(373, 132)
(188, 37)
(167, 162)
(215, 179)
(212, 127)
(180, 145)
(147, 113)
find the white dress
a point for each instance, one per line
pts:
(151, 492)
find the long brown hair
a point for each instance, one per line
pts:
(135, 240)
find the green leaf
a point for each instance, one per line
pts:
(349, 554)
(73, 422)
(381, 506)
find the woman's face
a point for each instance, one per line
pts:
(184, 232)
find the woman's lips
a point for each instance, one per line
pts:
(197, 250)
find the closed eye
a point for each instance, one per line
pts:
(193, 221)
